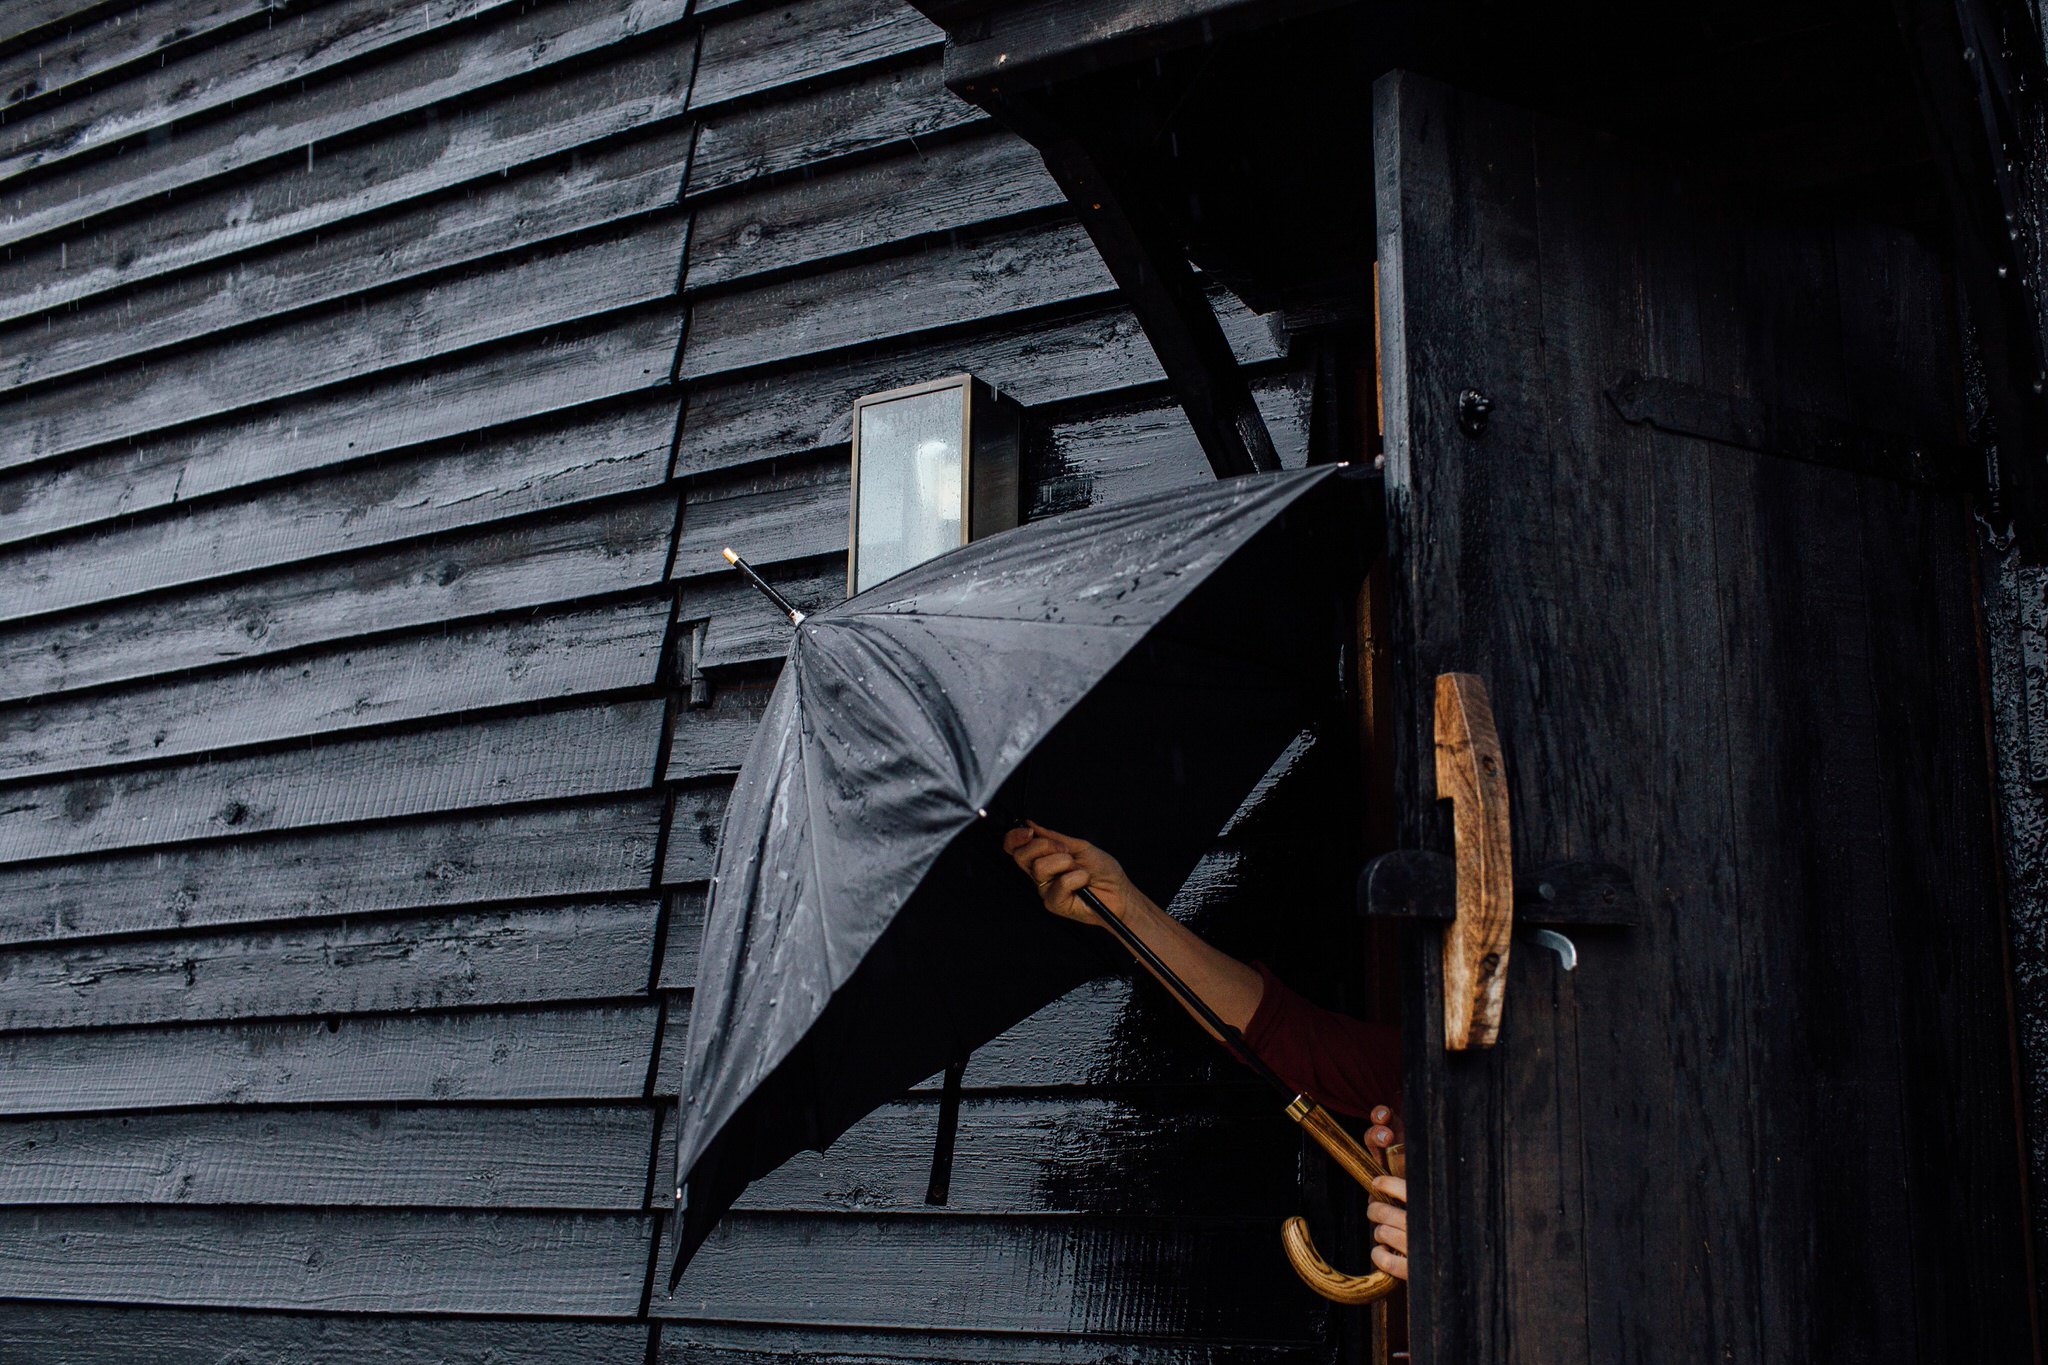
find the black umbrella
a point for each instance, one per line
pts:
(1126, 673)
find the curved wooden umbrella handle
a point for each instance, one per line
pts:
(1361, 1164)
(1319, 1275)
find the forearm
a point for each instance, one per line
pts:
(1228, 986)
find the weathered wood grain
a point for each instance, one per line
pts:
(614, 547)
(1476, 944)
(692, 832)
(97, 1334)
(969, 280)
(813, 126)
(1051, 1274)
(467, 61)
(740, 627)
(707, 741)
(622, 181)
(437, 1156)
(1164, 1156)
(28, 22)
(1098, 351)
(789, 510)
(683, 943)
(290, 47)
(583, 751)
(760, 51)
(487, 477)
(489, 957)
(530, 293)
(944, 188)
(95, 49)
(601, 848)
(460, 1156)
(589, 1052)
(589, 1265)
(505, 663)
(1740, 676)
(527, 121)
(459, 398)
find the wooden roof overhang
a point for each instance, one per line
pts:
(1228, 142)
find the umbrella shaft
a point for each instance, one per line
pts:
(1229, 1034)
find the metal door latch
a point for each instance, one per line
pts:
(1567, 951)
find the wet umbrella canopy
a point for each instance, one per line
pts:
(1125, 673)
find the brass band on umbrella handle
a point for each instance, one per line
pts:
(1361, 1165)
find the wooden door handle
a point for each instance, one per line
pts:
(1472, 775)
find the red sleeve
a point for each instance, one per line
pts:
(1347, 1065)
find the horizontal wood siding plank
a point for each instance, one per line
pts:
(602, 848)
(740, 628)
(496, 957)
(1101, 1034)
(590, 1265)
(623, 181)
(585, 751)
(1081, 1276)
(468, 60)
(38, 21)
(803, 41)
(1101, 351)
(135, 36)
(711, 740)
(788, 511)
(527, 121)
(457, 399)
(694, 822)
(1141, 452)
(585, 1052)
(609, 549)
(946, 188)
(1174, 1156)
(92, 1334)
(713, 1343)
(824, 123)
(528, 659)
(432, 1156)
(487, 477)
(531, 293)
(874, 301)
(291, 47)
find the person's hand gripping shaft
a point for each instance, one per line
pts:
(1061, 865)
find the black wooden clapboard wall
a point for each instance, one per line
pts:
(380, 381)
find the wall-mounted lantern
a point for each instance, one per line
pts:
(934, 466)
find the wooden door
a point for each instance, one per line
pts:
(1708, 551)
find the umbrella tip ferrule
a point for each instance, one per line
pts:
(982, 811)
(730, 556)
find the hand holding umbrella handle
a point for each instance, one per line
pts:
(1315, 1272)
(1358, 1160)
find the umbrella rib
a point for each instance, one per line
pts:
(811, 814)
(843, 617)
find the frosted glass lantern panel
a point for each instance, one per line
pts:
(909, 496)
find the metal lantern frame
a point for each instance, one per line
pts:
(991, 454)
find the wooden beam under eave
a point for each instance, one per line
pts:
(1161, 289)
